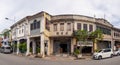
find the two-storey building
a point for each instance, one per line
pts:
(20, 33)
(53, 34)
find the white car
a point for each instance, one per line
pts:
(117, 52)
(103, 53)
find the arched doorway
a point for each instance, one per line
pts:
(23, 45)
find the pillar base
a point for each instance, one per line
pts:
(28, 54)
(42, 55)
(18, 53)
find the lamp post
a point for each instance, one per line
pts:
(13, 20)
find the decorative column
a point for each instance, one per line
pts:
(28, 46)
(112, 44)
(72, 45)
(51, 46)
(34, 47)
(42, 46)
(95, 46)
(18, 51)
(48, 47)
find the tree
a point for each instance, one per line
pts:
(95, 36)
(6, 34)
(81, 36)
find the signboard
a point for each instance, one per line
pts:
(87, 43)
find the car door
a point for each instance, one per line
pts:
(108, 53)
(104, 54)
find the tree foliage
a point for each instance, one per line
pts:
(96, 35)
(81, 35)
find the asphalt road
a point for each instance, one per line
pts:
(9, 59)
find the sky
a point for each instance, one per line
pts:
(17, 9)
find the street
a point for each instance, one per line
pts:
(10, 59)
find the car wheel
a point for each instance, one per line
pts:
(100, 57)
(118, 54)
(111, 55)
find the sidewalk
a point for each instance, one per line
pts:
(69, 58)
(56, 57)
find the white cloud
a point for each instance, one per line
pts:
(22, 8)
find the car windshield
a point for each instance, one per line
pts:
(7, 47)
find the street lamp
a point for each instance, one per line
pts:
(13, 20)
(6, 18)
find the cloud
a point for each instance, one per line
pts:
(22, 8)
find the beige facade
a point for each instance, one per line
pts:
(54, 34)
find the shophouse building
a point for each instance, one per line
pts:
(53, 34)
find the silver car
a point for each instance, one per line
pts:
(5, 49)
(117, 52)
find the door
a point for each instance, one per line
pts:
(104, 54)
(108, 53)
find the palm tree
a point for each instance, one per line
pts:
(95, 36)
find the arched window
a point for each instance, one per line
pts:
(35, 25)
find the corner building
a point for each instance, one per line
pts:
(53, 34)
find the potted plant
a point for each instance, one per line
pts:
(77, 53)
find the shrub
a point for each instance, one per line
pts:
(76, 52)
(23, 47)
(31, 50)
(38, 50)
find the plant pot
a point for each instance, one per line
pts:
(79, 56)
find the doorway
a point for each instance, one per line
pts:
(63, 48)
(87, 50)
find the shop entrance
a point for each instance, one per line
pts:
(87, 50)
(61, 45)
(63, 48)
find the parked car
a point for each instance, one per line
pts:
(117, 52)
(5, 49)
(103, 53)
